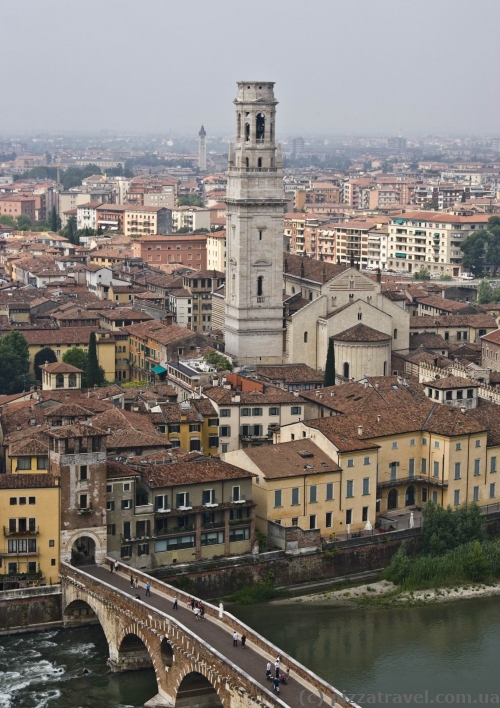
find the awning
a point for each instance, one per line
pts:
(158, 369)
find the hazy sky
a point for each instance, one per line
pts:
(340, 66)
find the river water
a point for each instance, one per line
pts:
(442, 649)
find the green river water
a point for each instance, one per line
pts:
(447, 650)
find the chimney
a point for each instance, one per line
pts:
(379, 275)
(379, 418)
(462, 410)
(360, 430)
(169, 318)
(377, 385)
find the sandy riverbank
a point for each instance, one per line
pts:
(385, 594)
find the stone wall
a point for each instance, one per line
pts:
(29, 606)
(215, 581)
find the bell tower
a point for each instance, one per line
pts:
(254, 230)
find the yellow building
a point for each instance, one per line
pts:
(191, 425)
(29, 455)
(60, 340)
(425, 450)
(30, 510)
(299, 484)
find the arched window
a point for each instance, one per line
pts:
(238, 128)
(247, 162)
(247, 131)
(360, 315)
(346, 369)
(259, 162)
(59, 381)
(305, 337)
(260, 285)
(72, 380)
(310, 295)
(260, 126)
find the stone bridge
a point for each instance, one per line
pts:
(195, 663)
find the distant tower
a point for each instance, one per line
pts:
(202, 150)
(255, 200)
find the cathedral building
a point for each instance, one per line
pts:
(283, 308)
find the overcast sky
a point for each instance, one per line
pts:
(340, 66)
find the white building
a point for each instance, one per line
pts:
(216, 251)
(255, 200)
(86, 215)
(192, 218)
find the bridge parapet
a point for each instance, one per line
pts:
(312, 683)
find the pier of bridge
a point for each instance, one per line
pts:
(195, 663)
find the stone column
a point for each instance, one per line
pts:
(226, 532)
(198, 537)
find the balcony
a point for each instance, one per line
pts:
(166, 510)
(240, 499)
(416, 479)
(213, 525)
(33, 532)
(174, 531)
(84, 509)
(143, 509)
(211, 504)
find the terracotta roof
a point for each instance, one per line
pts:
(493, 337)
(75, 430)
(286, 460)
(27, 481)
(313, 269)
(130, 438)
(164, 334)
(60, 367)
(36, 445)
(442, 303)
(272, 394)
(452, 382)
(70, 335)
(361, 333)
(428, 340)
(184, 473)
(289, 373)
(429, 321)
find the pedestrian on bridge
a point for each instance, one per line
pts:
(235, 639)
(148, 589)
(268, 671)
(131, 581)
(176, 603)
(136, 582)
(117, 565)
(243, 640)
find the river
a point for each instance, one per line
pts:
(442, 649)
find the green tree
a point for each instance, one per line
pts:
(55, 221)
(77, 357)
(24, 222)
(70, 231)
(422, 274)
(190, 200)
(45, 355)
(218, 360)
(445, 529)
(183, 230)
(484, 292)
(94, 372)
(8, 220)
(14, 363)
(330, 365)
(483, 248)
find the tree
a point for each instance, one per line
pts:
(77, 357)
(24, 222)
(45, 355)
(483, 248)
(93, 373)
(330, 365)
(445, 529)
(70, 231)
(484, 292)
(422, 274)
(190, 200)
(8, 220)
(183, 230)
(55, 221)
(14, 363)
(218, 360)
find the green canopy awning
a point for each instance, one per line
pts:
(158, 369)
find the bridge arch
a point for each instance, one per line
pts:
(197, 691)
(78, 612)
(133, 653)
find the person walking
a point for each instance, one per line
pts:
(117, 565)
(235, 639)
(148, 589)
(202, 612)
(176, 603)
(243, 640)
(277, 669)
(268, 671)
(189, 603)
(111, 566)
(276, 685)
(131, 581)
(136, 582)
(197, 613)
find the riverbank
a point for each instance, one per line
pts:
(384, 594)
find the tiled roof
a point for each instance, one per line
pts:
(27, 481)
(429, 321)
(428, 340)
(36, 445)
(442, 303)
(361, 333)
(493, 337)
(272, 394)
(289, 373)
(184, 473)
(164, 334)
(452, 382)
(285, 459)
(75, 430)
(60, 367)
(314, 270)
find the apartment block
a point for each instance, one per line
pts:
(192, 218)
(147, 220)
(185, 249)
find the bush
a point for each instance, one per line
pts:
(445, 529)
